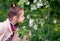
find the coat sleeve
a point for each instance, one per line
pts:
(1, 28)
(16, 36)
(1, 31)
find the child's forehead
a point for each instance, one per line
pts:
(21, 11)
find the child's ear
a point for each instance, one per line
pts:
(15, 17)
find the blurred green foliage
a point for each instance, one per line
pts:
(46, 25)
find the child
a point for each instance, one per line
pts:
(8, 28)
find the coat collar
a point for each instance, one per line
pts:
(7, 24)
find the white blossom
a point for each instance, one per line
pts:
(33, 7)
(24, 27)
(40, 1)
(39, 5)
(46, 40)
(35, 1)
(42, 24)
(46, 17)
(31, 21)
(54, 21)
(47, 6)
(35, 27)
(27, 3)
(28, 16)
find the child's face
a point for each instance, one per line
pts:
(21, 17)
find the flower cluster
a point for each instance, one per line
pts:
(36, 4)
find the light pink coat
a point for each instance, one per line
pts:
(6, 32)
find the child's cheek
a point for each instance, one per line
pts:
(20, 19)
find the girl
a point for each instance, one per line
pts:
(8, 28)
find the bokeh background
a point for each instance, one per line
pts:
(42, 18)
